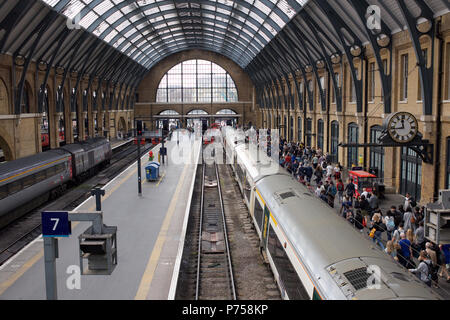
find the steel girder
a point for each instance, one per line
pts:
(338, 26)
(302, 42)
(11, 20)
(361, 7)
(315, 28)
(425, 72)
(39, 32)
(310, 96)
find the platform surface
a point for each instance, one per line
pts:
(148, 239)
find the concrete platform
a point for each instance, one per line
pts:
(148, 239)
(118, 143)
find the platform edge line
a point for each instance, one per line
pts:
(176, 269)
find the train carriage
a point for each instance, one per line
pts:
(28, 182)
(313, 253)
(22, 180)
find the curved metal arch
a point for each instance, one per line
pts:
(186, 46)
(201, 46)
(302, 43)
(182, 35)
(174, 11)
(360, 6)
(338, 24)
(266, 23)
(158, 14)
(141, 10)
(220, 47)
(256, 46)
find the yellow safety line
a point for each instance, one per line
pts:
(14, 277)
(160, 180)
(144, 286)
(33, 169)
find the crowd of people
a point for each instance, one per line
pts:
(402, 224)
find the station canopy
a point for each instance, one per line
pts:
(120, 41)
(149, 30)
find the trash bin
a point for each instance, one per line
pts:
(152, 171)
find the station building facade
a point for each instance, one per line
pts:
(403, 171)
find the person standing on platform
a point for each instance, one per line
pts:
(423, 271)
(350, 190)
(445, 261)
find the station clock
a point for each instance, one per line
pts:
(402, 127)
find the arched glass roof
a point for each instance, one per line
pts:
(149, 30)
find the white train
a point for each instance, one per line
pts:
(313, 253)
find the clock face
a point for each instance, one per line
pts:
(403, 127)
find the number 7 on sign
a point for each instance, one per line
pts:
(56, 224)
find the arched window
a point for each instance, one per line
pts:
(169, 113)
(291, 129)
(299, 129)
(197, 112)
(377, 153)
(308, 132)
(410, 173)
(197, 81)
(226, 111)
(334, 141)
(320, 133)
(353, 134)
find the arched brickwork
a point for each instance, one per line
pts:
(4, 98)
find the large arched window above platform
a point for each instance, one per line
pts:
(197, 81)
(226, 111)
(197, 112)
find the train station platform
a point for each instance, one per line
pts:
(149, 238)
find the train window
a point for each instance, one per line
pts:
(60, 168)
(14, 187)
(258, 213)
(240, 173)
(3, 192)
(28, 181)
(40, 176)
(294, 287)
(50, 172)
(247, 189)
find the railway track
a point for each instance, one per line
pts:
(27, 228)
(207, 272)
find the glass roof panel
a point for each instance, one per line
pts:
(149, 30)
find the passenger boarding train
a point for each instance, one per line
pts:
(28, 182)
(313, 253)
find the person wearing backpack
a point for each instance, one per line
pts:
(390, 224)
(423, 271)
(432, 254)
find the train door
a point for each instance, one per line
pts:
(258, 213)
(265, 229)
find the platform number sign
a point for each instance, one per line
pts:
(56, 224)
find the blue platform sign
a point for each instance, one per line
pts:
(56, 224)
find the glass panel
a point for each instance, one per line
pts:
(288, 276)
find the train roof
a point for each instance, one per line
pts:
(11, 168)
(84, 146)
(256, 162)
(331, 248)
